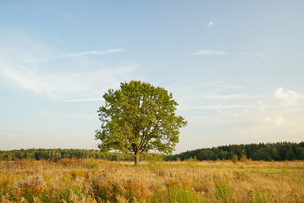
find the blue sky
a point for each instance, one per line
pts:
(235, 67)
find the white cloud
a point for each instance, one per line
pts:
(261, 106)
(68, 86)
(210, 23)
(70, 80)
(208, 52)
(51, 73)
(86, 53)
(287, 97)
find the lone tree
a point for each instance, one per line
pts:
(137, 118)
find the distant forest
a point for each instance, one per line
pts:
(279, 151)
(57, 154)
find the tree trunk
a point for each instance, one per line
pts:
(136, 158)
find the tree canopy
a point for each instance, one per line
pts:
(137, 118)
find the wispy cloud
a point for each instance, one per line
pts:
(261, 106)
(82, 100)
(10, 135)
(208, 52)
(86, 53)
(80, 86)
(33, 66)
(210, 23)
(232, 96)
(217, 107)
(253, 54)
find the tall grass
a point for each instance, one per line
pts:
(89, 180)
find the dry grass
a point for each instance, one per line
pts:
(71, 180)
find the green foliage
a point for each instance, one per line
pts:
(271, 151)
(234, 158)
(243, 158)
(258, 196)
(222, 186)
(156, 164)
(137, 118)
(62, 154)
(192, 159)
(180, 190)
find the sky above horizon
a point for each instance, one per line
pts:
(235, 67)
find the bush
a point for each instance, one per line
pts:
(234, 159)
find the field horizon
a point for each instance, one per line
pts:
(279, 151)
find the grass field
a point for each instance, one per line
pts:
(71, 180)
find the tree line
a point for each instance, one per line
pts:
(57, 154)
(279, 151)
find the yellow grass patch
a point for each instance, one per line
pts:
(89, 180)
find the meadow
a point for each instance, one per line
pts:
(92, 180)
